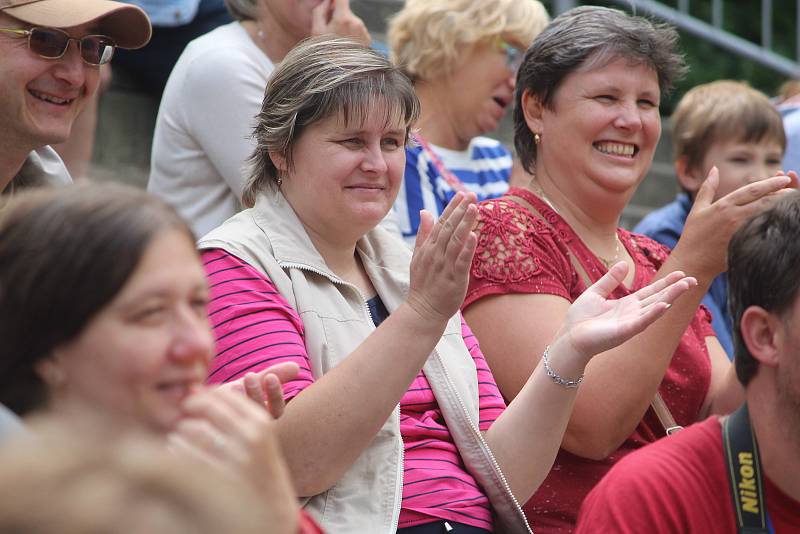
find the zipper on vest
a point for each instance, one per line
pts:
(398, 496)
(303, 267)
(485, 446)
(333, 279)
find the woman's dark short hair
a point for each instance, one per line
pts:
(763, 261)
(64, 254)
(589, 36)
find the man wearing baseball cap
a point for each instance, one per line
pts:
(50, 57)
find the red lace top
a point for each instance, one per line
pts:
(519, 253)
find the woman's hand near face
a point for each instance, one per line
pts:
(264, 387)
(225, 429)
(442, 258)
(335, 17)
(703, 246)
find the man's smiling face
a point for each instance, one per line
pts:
(41, 97)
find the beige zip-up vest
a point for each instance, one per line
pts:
(336, 319)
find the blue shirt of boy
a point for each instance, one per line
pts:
(791, 124)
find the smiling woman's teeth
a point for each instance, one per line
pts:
(49, 98)
(618, 149)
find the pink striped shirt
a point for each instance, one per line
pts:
(255, 327)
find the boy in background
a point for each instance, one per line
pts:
(736, 128)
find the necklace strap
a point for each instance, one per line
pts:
(607, 263)
(451, 179)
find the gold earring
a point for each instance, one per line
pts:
(537, 139)
(52, 375)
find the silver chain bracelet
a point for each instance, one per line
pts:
(555, 377)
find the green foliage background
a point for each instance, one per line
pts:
(708, 62)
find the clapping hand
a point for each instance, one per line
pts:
(229, 431)
(711, 223)
(442, 258)
(594, 323)
(264, 387)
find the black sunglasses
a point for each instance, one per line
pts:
(52, 43)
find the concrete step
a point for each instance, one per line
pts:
(124, 136)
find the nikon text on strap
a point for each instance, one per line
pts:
(744, 473)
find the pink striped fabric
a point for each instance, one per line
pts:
(255, 327)
(436, 485)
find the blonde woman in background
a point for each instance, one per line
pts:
(462, 56)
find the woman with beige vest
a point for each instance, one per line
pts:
(395, 422)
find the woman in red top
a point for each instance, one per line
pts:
(587, 123)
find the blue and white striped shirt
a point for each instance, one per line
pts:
(484, 168)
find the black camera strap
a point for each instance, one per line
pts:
(744, 473)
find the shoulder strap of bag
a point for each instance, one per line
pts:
(659, 406)
(664, 415)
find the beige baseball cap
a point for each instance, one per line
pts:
(128, 25)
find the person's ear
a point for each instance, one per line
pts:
(532, 110)
(689, 177)
(762, 333)
(279, 160)
(51, 372)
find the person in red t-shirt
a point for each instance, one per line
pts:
(681, 484)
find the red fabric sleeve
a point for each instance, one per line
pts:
(656, 254)
(516, 253)
(704, 322)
